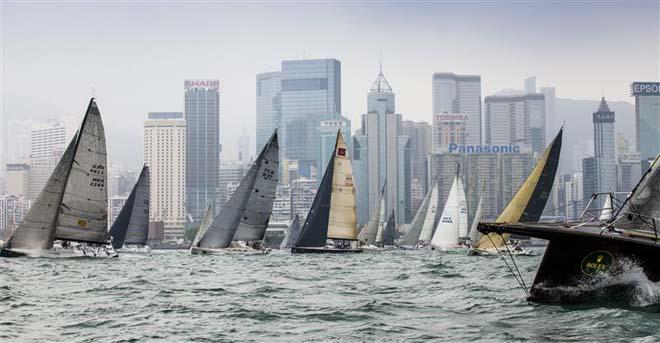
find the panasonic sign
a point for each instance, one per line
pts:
(483, 149)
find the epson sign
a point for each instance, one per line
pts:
(483, 149)
(645, 88)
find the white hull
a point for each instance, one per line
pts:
(135, 249)
(229, 250)
(71, 249)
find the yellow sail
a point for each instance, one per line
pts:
(512, 213)
(342, 221)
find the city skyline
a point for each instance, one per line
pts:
(148, 76)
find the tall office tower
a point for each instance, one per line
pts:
(328, 137)
(628, 171)
(360, 165)
(600, 170)
(530, 85)
(269, 86)
(647, 120)
(202, 115)
(47, 145)
(551, 122)
(230, 173)
(385, 146)
(574, 202)
(115, 204)
(420, 134)
(458, 96)
(18, 141)
(303, 191)
(165, 154)
(311, 93)
(282, 204)
(244, 150)
(516, 120)
(18, 179)
(12, 211)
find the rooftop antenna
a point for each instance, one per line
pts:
(380, 61)
(93, 92)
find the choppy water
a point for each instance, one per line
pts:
(397, 296)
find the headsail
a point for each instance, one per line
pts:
(528, 203)
(390, 231)
(254, 221)
(369, 234)
(84, 209)
(132, 224)
(607, 212)
(291, 234)
(382, 216)
(342, 220)
(474, 233)
(36, 231)
(643, 205)
(204, 225)
(446, 234)
(431, 220)
(412, 235)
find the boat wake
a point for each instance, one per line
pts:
(626, 285)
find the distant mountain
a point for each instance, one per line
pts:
(579, 125)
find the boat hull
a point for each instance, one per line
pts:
(589, 264)
(76, 250)
(323, 250)
(226, 251)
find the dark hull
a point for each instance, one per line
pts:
(588, 265)
(322, 250)
(11, 253)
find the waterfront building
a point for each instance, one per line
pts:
(269, 86)
(518, 120)
(458, 97)
(647, 120)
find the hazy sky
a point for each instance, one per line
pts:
(136, 56)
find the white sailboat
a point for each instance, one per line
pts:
(241, 224)
(452, 221)
(474, 234)
(69, 217)
(431, 217)
(607, 213)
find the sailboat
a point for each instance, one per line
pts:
(453, 221)
(421, 229)
(204, 225)
(594, 260)
(331, 224)
(374, 229)
(69, 217)
(389, 233)
(291, 234)
(474, 235)
(528, 203)
(130, 231)
(241, 224)
(607, 213)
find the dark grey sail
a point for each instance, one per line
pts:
(204, 225)
(389, 232)
(315, 230)
(36, 231)
(132, 224)
(642, 208)
(292, 234)
(84, 209)
(254, 220)
(412, 235)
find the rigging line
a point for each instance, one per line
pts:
(515, 265)
(506, 263)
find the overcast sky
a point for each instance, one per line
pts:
(136, 56)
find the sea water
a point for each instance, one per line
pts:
(387, 296)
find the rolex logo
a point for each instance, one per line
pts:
(599, 259)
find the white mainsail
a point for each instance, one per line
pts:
(462, 211)
(608, 211)
(84, 209)
(475, 235)
(431, 215)
(342, 219)
(446, 234)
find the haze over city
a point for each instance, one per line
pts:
(136, 56)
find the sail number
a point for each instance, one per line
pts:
(268, 174)
(97, 169)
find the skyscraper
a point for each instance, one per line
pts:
(328, 137)
(420, 134)
(202, 115)
(311, 93)
(600, 171)
(530, 85)
(269, 86)
(647, 119)
(47, 145)
(516, 120)
(385, 145)
(458, 97)
(165, 154)
(244, 150)
(552, 124)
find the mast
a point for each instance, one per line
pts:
(132, 224)
(412, 235)
(528, 203)
(254, 220)
(84, 207)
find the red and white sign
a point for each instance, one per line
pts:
(451, 117)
